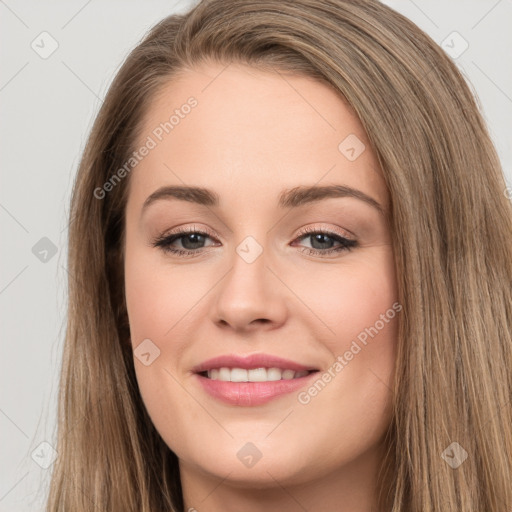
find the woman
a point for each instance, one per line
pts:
(291, 254)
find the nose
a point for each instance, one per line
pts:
(250, 296)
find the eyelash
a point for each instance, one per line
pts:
(163, 242)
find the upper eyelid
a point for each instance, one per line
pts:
(315, 229)
(302, 233)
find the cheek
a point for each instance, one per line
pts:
(355, 302)
(162, 302)
(359, 305)
(158, 296)
(158, 299)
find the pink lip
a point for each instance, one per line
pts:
(250, 393)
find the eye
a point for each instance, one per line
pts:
(323, 242)
(193, 241)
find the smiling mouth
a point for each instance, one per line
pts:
(252, 386)
(262, 374)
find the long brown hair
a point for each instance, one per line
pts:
(451, 229)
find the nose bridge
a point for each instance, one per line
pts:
(248, 279)
(249, 291)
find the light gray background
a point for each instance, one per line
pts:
(47, 109)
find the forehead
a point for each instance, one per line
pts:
(237, 129)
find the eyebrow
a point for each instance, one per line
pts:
(289, 198)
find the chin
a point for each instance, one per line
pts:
(263, 474)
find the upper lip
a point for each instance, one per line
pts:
(249, 362)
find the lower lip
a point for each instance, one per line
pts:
(251, 393)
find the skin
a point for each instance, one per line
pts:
(253, 134)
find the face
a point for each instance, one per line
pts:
(261, 271)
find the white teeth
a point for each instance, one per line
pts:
(288, 374)
(238, 375)
(225, 374)
(274, 374)
(254, 375)
(257, 375)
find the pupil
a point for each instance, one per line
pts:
(196, 241)
(320, 238)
